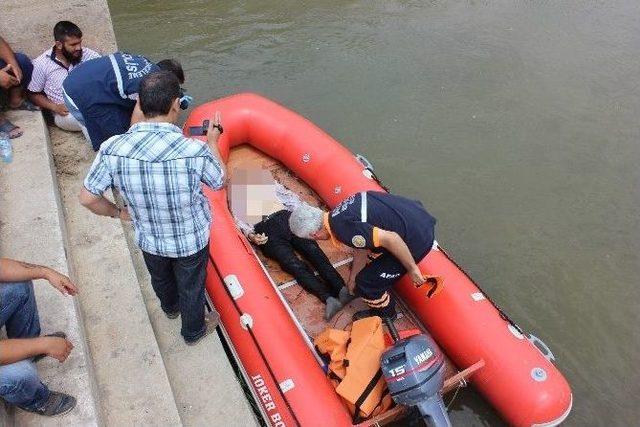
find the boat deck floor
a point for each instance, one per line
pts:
(308, 309)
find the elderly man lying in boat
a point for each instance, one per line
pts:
(261, 208)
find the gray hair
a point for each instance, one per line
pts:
(305, 220)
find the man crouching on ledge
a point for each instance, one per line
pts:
(20, 384)
(158, 171)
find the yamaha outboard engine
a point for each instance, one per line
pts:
(414, 369)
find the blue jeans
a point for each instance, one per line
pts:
(20, 385)
(25, 65)
(19, 382)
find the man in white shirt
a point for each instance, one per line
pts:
(51, 69)
(261, 208)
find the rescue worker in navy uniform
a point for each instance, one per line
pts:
(102, 93)
(400, 230)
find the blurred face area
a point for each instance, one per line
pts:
(252, 194)
(71, 49)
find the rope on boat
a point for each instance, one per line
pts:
(255, 340)
(502, 314)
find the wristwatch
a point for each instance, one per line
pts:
(219, 127)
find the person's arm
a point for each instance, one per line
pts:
(18, 271)
(288, 198)
(359, 261)
(95, 184)
(392, 241)
(243, 226)
(7, 80)
(41, 100)
(6, 54)
(213, 134)
(249, 232)
(102, 206)
(15, 350)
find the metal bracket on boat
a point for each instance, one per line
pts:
(234, 286)
(364, 161)
(246, 321)
(542, 347)
(515, 331)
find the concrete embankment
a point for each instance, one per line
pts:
(129, 365)
(31, 229)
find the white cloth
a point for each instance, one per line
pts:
(288, 198)
(69, 123)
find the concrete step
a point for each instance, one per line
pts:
(205, 388)
(31, 229)
(202, 385)
(130, 373)
(143, 373)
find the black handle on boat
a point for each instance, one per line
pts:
(392, 328)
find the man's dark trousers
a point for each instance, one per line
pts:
(179, 285)
(25, 65)
(280, 246)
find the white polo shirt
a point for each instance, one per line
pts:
(49, 73)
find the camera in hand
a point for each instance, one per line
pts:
(199, 130)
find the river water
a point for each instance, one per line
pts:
(516, 122)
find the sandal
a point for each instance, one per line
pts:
(13, 130)
(26, 105)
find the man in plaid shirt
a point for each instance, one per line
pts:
(159, 173)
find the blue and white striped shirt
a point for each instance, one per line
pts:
(159, 173)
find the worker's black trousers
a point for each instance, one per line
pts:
(376, 279)
(281, 246)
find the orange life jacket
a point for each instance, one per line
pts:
(355, 366)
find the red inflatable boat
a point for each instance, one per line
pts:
(270, 322)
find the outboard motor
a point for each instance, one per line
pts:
(414, 369)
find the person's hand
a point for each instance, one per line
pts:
(124, 215)
(17, 71)
(58, 348)
(61, 282)
(215, 121)
(7, 80)
(61, 109)
(417, 276)
(258, 239)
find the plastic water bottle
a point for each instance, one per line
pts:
(6, 150)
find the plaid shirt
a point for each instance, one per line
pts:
(159, 173)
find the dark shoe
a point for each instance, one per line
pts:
(8, 127)
(58, 334)
(57, 404)
(345, 296)
(332, 306)
(212, 320)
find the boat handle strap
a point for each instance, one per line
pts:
(542, 347)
